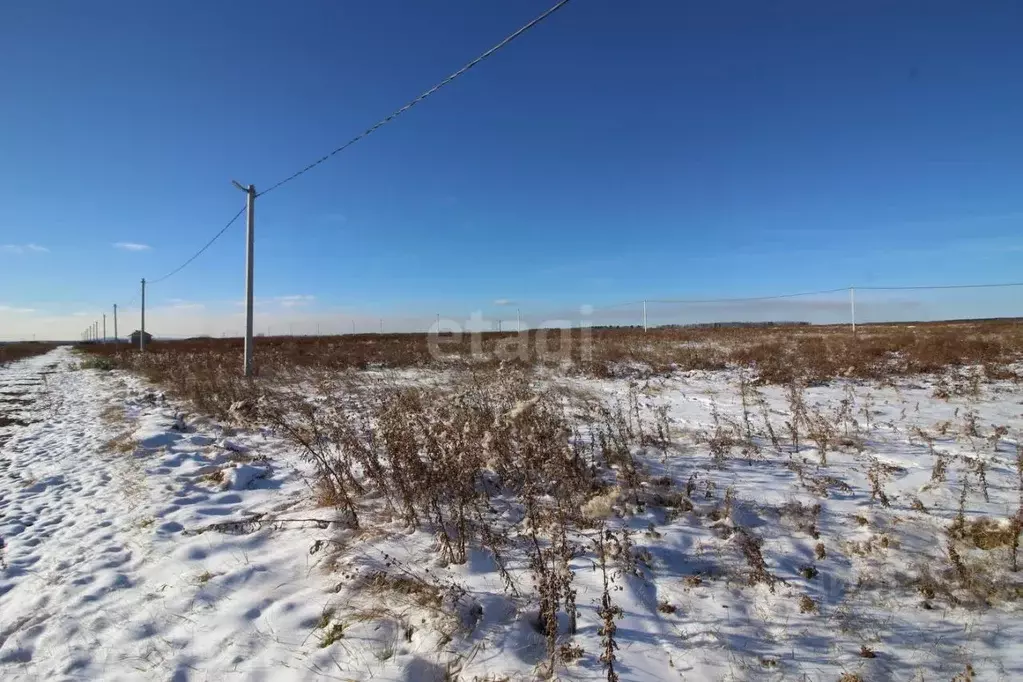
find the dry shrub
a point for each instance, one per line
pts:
(807, 604)
(437, 458)
(986, 533)
(749, 545)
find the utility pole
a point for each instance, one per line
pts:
(142, 332)
(381, 325)
(644, 316)
(353, 326)
(115, 325)
(250, 226)
(518, 321)
(852, 308)
(104, 327)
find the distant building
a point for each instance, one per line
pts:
(136, 337)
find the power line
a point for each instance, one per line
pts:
(722, 300)
(750, 298)
(369, 131)
(809, 293)
(200, 251)
(944, 286)
(421, 97)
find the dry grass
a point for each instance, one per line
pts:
(9, 352)
(489, 444)
(206, 371)
(987, 533)
(122, 443)
(776, 355)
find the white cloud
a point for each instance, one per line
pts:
(11, 309)
(294, 301)
(504, 301)
(23, 248)
(132, 246)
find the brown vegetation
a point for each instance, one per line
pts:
(9, 352)
(777, 355)
(206, 370)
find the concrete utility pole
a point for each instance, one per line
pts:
(518, 321)
(115, 325)
(852, 308)
(142, 332)
(104, 327)
(644, 316)
(250, 226)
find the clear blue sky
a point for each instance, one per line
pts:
(620, 150)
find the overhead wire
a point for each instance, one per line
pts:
(721, 300)
(369, 131)
(943, 286)
(806, 293)
(398, 112)
(200, 251)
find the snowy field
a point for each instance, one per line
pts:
(847, 531)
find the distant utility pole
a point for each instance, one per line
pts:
(381, 325)
(644, 316)
(142, 332)
(115, 325)
(852, 308)
(250, 226)
(104, 327)
(518, 321)
(353, 326)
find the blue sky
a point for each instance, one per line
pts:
(618, 151)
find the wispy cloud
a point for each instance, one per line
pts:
(504, 301)
(23, 248)
(294, 301)
(181, 304)
(132, 246)
(12, 309)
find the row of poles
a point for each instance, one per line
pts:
(97, 331)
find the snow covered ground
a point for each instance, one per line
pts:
(140, 541)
